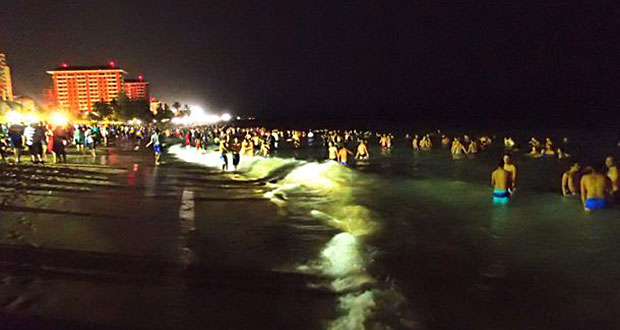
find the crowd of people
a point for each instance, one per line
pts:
(40, 140)
(596, 186)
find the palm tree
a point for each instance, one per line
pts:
(176, 106)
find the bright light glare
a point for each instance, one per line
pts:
(13, 117)
(32, 118)
(226, 117)
(198, 115)
(59, 119)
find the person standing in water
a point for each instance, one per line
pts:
(343, 155)
(612, 174)
(595, 189)
(332, 151)
(501, 182)
(570, 180)
(458, 149)
(362, 151)
(415, 143)
(156, 145)
(510, 167)
(235, 149)
(223, 154)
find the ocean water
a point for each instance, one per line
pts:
(411, 240)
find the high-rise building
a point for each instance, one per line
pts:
(77, 88)
(137, 89)
(6, 86)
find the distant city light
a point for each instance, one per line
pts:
(226, 117)
(111, 63)
(64, 65)
(198, 115)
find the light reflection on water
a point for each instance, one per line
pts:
(430, 222)
(343, 259)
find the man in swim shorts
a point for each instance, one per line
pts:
(595, 189)
(362, 151)
(343, 154)
(500, 180)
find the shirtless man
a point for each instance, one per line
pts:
(595, 188)
(362, 151)
(415, 143)
(612, 174)
(473, 147)
(501, 182)
(510, 167)
(343, 154)
(570, 180)
(457, 148)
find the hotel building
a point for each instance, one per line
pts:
(77, 88)
(137, 89)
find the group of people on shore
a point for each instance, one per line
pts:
(38, 140)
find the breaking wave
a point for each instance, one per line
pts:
(326, 192)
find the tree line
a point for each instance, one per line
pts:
(123, 109)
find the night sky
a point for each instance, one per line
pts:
(554, 62)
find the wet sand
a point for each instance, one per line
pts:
(108, 242)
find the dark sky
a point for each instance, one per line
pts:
(362, 60)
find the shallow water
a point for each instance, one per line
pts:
(412, 240)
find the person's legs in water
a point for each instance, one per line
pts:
(501, 197)
(596, 204)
